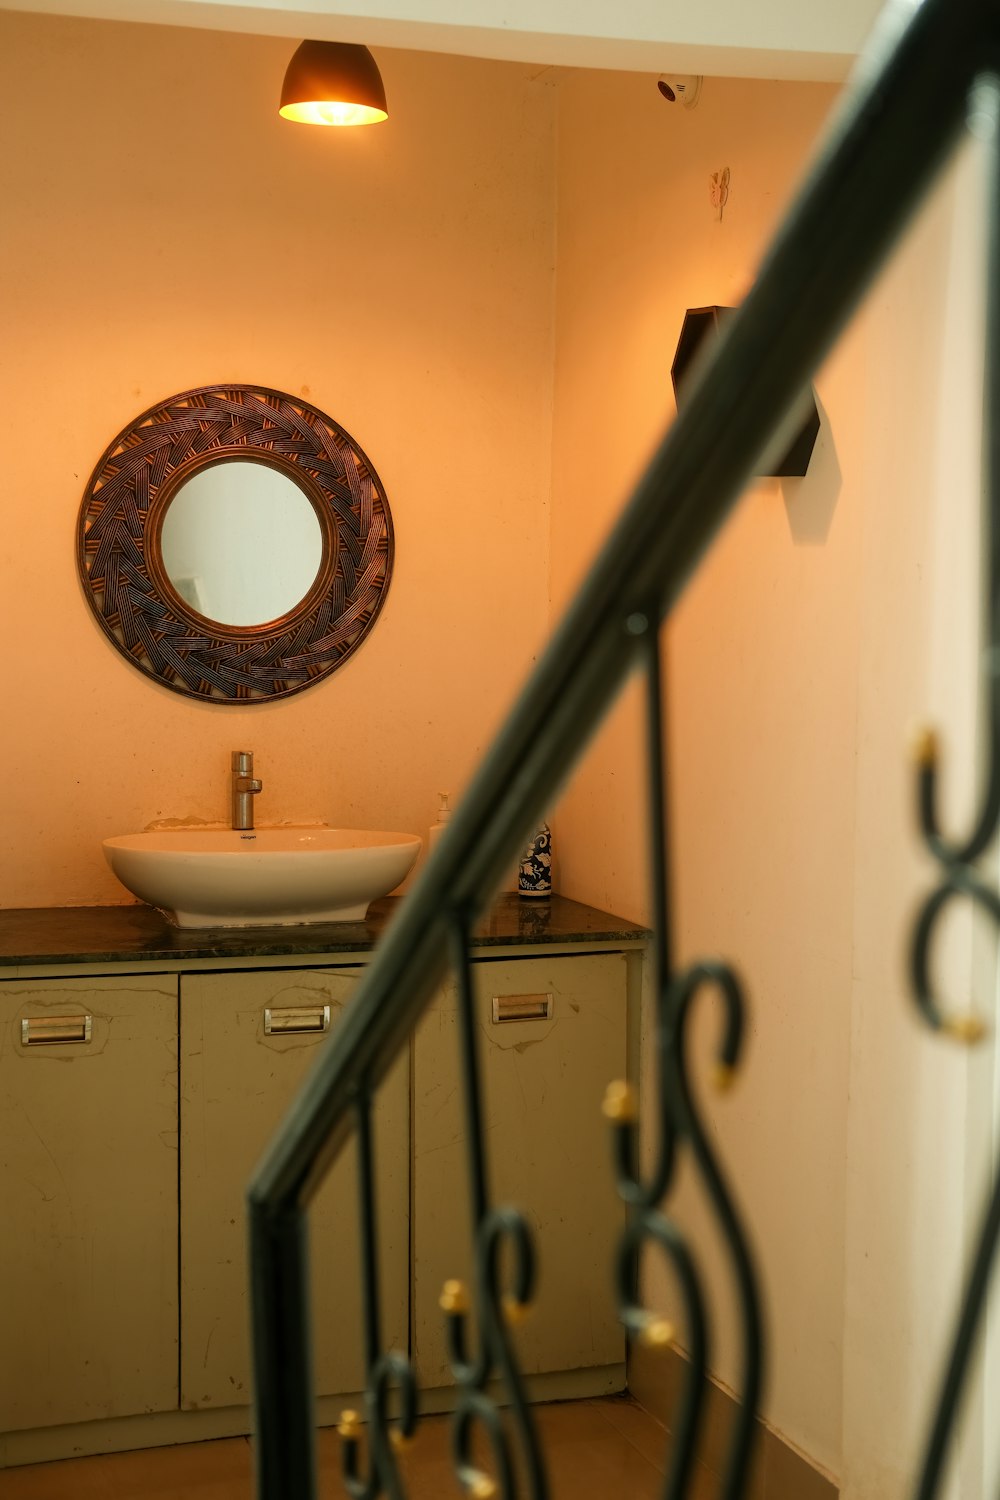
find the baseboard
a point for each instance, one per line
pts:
(160, 1429)
(780, 1472)
(561, 1385)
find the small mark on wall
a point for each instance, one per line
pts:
(718, 191)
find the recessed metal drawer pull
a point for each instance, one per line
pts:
(297, 1018)
(39, 1030)
(521, 1008)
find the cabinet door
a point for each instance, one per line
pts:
(548, 1153)
(237, 1081)
(88, 1182)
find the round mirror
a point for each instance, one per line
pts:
(241, 543)
(235, 544)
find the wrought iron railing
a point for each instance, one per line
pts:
(881, 155)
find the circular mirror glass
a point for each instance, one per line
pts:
(241, 543)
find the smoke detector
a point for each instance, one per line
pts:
(680, 88)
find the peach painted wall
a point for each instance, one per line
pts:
(921, 1124)
(832, 614)
(762, 682)
(164, 229)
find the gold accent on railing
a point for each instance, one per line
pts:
(657, 1333)
(723, 1077)
(926, 748)
(482, 1487)
(454, 1297)
(621, 1103)
(968, 1029)
(514, 1311)
(349, 1425)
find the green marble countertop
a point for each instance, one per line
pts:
(120, 934)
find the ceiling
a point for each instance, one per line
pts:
(768, 39)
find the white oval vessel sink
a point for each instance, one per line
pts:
(264, 877)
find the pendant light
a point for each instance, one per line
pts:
(333, 83)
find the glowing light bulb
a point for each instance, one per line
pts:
(333, 83)
(332, 112)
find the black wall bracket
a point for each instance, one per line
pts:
(701, 323)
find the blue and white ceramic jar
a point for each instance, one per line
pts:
(534, 875)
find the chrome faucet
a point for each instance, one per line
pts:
(245, 788)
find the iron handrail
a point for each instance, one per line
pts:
(900, 117)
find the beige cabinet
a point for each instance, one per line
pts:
(123, 1272)
(88, 1183)
(544, 1079)
(240, 1069)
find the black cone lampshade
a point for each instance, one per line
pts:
(333, 83)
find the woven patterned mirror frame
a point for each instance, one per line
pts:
(121, 565)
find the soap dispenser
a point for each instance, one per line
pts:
(436, 829)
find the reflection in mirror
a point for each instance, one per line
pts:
(241, 543)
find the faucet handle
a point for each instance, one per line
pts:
(242, 762)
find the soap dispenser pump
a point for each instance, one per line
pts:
(436, 829)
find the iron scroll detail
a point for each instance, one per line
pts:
(479, 1318)
(495, 1311)
(126, 584)
(384, 1369)
(678, 1118)
(957, 859)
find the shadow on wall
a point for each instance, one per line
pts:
(810, 502)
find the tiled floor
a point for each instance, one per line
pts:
(607, 1449)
